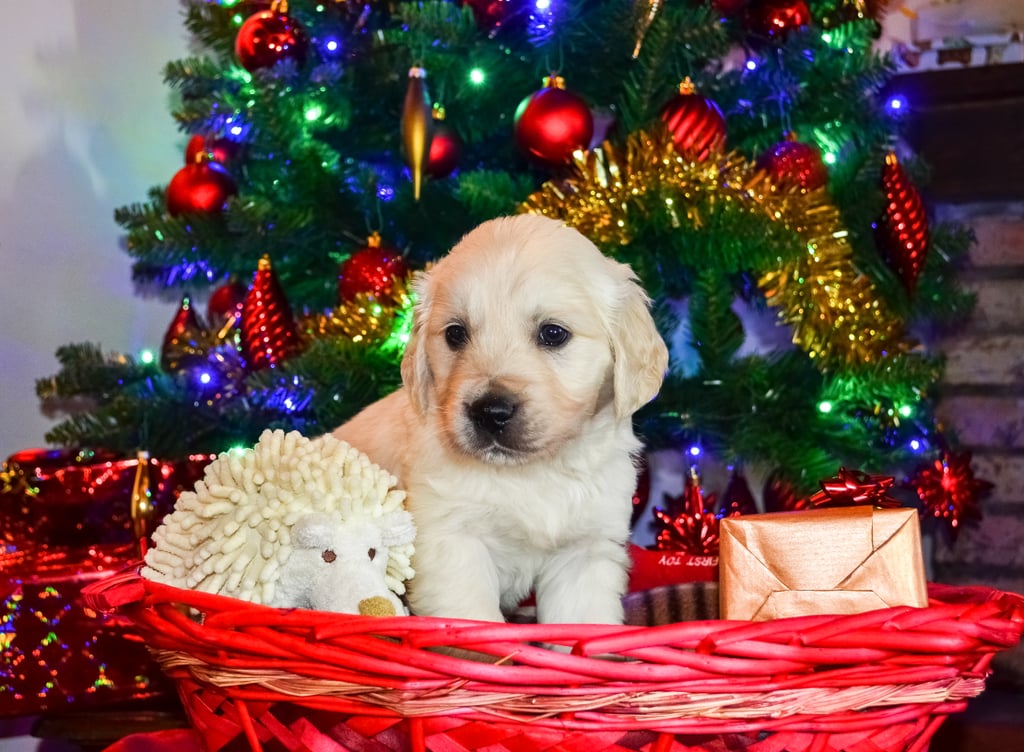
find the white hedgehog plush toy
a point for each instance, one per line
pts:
(292, 522)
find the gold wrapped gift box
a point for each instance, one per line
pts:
(822, 561)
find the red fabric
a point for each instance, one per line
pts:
(167, 740)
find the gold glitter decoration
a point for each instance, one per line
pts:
(835, 311)
(644, 23)
(364, 319)
(12, 479)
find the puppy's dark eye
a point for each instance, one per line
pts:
(552, 335)
(329, 556)
(372, 553)
(456, 336)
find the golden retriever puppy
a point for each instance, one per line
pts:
(512, 434)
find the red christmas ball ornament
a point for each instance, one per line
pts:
(777, 18)
(270, 36)
(903, 229)
(219, 150)
(695, 122)
(372, 270)
(445, 147)
(552, 123)
(794, 164)
(199, 188)
(226, 303)
(269, 335)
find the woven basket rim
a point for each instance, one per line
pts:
(709, 676)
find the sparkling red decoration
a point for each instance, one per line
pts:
(949, 491)
(225, 303)
(219, 150)
(777, 18)
(737, 498)
(269, 335)
(445, 147)
(66, 497)
(552, 123)
(688, 523)
(183, 341)
(794, 164)
(201, 188)
(903, 228)
(373, 270)
(57, 654)
(416, 126)
(695, 122)
(853, 487)
(270, 36)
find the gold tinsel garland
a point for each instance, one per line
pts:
(364, 319)
(835, 311)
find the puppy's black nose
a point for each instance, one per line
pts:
(492, 413)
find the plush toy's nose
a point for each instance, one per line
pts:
(378, 605)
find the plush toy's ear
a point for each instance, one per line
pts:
(314, 530)
(397, 528)
(415, 370)
(641, 357)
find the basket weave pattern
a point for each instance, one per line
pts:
(253, 677)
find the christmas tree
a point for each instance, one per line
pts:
(744, 156)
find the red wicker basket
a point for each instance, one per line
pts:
(267, 679)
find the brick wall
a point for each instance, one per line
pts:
(983, 397)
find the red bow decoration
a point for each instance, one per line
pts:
(853, 487)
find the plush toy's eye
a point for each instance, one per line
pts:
(329, 556)
(372, 553)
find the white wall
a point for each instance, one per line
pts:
(85, 127)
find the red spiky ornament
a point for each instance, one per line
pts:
(688, 523)
(949, 491)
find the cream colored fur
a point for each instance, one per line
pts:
(543, 503)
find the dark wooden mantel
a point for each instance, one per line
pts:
(968, 124)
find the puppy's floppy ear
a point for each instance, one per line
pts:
(416, 374)
(640, 354)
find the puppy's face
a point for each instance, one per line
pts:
(516, 338)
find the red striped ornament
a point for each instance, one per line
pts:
(696, 123)
(903, 228)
